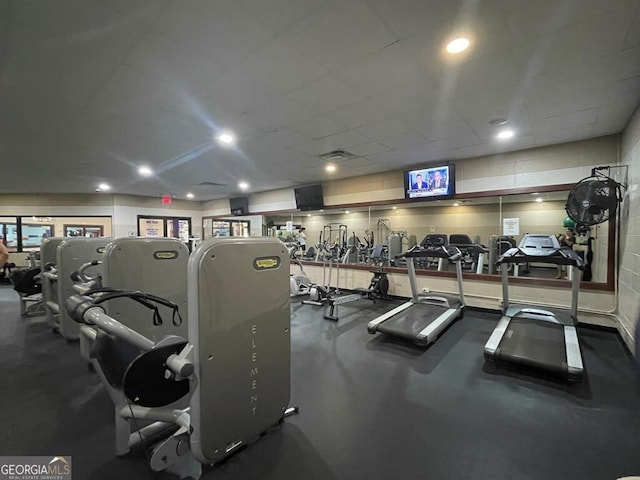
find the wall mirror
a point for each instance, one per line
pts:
(492, 223)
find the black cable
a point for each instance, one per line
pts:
(146, 299)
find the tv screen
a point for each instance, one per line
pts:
(430, 182)
(239, 205)
(309, 198)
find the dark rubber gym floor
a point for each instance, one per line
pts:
(370, 407)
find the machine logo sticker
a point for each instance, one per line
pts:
(165, 255)
(35, 468)
(266, 263)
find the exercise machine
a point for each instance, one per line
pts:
(299, 284)
(153, 265)
(49, 279)
(320, 294)
(473, 254)
(378, 289)
(26, 282)
(543, 338)
(71, 254)
(242, 346)
(425, 316)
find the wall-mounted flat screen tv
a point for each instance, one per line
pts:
(239, 205)
(430, 182)
(309, 198)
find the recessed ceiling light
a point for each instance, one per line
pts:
(346, 211)
(308, 214)
(535, 193)
(103, 187)
(394, 208)
(243, 185)
(226, 138)
(321, 210)
(330, 167)
(458, 45)
(539, 199)
(145, 171)
(505, 134)
(190, 195)
(455, 204)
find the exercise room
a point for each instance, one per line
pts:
(320, 239)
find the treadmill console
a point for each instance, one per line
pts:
(434, 246)
(539, 245)
(542, 248)
(436, 240)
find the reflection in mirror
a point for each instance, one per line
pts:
(482, 228)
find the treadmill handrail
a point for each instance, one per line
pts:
(452, 253)
(556, 256)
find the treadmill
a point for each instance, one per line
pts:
(543, 338)
(422, 318)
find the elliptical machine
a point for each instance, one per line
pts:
(299, 284)
(320, 294)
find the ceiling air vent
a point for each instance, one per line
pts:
(337, 156)
(211, 184)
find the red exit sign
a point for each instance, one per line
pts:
(166, 199)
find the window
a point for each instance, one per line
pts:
(175, 227)
(83, 231)
(23, 234)
(33, 234)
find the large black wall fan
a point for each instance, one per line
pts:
(594, 199)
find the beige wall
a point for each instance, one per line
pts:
(122, 211)
(552, 165)
(629, 269)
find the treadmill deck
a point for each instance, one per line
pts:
(421, 323)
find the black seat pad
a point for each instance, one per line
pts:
(145, 383)
(114, 356)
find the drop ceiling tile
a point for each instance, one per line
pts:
(368, 148)
(566, 120)
(421, 93)
(390, 67)
(550, 136)
(331, 38)
(282, 139)
(454, 142)
(280, 15)
(384, 128)
(438, 123)
(314, 148)
(281, 112)
(161, 58)
(357, 114)
(319, 127)
(406, 139)
(410, 17)
(282, 67)
(576, 43)
(528, 21)
(234, 92)
(325, 95)
(344, 140)
(632, 35)
(221, 30)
